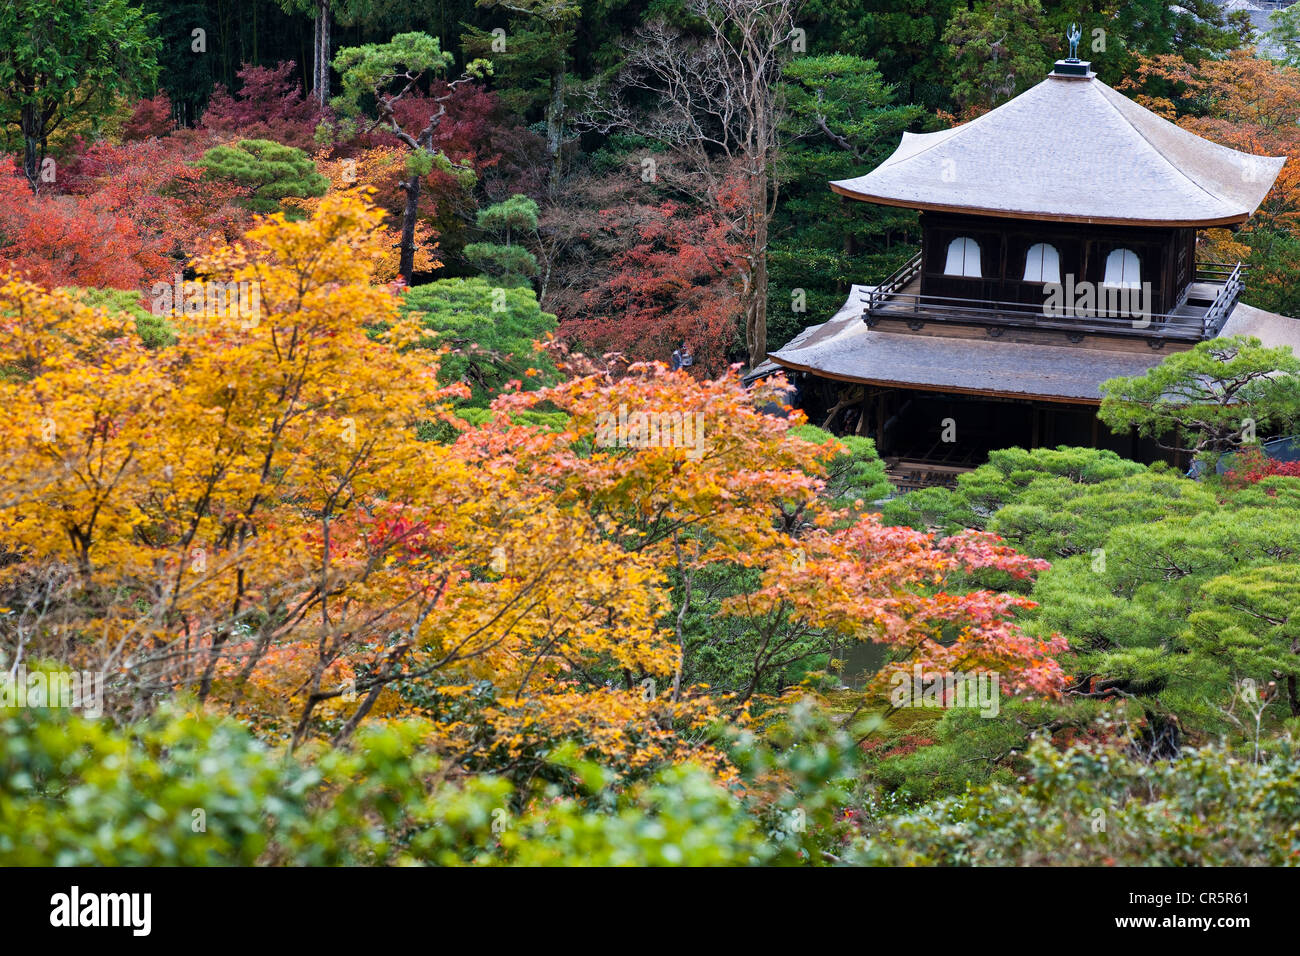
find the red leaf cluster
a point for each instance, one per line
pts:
(675, 278)
(269, 105)
(1252, 466)
(123, 216)
(149, 119)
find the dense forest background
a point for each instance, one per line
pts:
(580, 111)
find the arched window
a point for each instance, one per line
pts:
(963, 258)
(1123, 268)
(1042, 263)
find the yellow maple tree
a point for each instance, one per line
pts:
(251, 515)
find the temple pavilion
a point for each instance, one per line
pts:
(1059, 239)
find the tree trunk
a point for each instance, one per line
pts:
(32, 152)
(325, 54)
(756, 317)
(321, 54)
(555, 126)
(315, 57)
(762, 200)
(406, 264)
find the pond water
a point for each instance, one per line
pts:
(861, 661)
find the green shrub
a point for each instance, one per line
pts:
(154, 330)
(1083, 807)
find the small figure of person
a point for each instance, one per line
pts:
(682, 357)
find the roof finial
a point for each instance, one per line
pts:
(1074, 34)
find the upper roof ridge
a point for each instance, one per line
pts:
(1071, 148)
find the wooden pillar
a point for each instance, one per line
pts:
(1094, 429)
(880, 423)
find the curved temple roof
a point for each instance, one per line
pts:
(1071, 149)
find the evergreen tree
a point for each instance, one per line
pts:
(270, 170)
(61, 58)
(506, 261)
(999, 48)
(490, 331)
(377, 76)
(1210, 399)
(842, 119)
(531, 60)
(189, 61)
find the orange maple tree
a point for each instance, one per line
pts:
(1243, 101)
(909, 591)
(376, 174)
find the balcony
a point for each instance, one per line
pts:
(1204, 307)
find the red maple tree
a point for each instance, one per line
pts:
(121, 215)
(63, 240)
(149, 118)
(269, 105)
(674, 279)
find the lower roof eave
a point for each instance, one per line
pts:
(927, 387)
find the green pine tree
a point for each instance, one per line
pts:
(271, 172)
(508, 263)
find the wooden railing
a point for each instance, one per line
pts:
(941, 308)
(1216, 271)
(1223, 303)
(899, 280)
(887, 300)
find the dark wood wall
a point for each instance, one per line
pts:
(1166, 255)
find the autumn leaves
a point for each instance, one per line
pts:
(249, 517)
